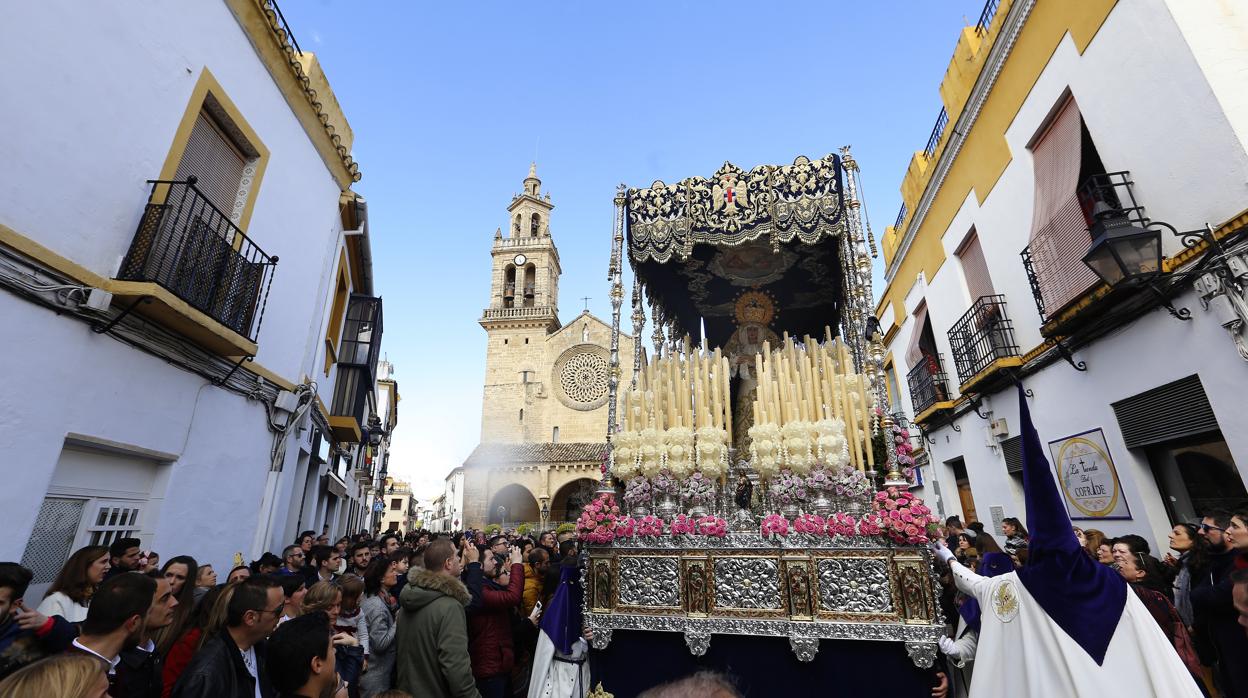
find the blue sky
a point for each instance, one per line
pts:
(451, 101)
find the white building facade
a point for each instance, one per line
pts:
(1055, 114)
(201, 347)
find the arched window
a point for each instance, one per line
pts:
(521, 414)
(554, 435)
(516, 227)
(509, 286)
(535, 225)
(530, 285)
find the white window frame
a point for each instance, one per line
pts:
(91, 533)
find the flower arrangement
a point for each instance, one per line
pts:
(905, 451)
(774, 525)
(712, 526)
(664, 483)
(712, 446)
(678, 447)
(831, 447)
(869, 525)
(683, 525)
(650, 451)
(625, 527)
(903, 516)
(788, 488)
(598, 520)
(638, 491)
(624, 455)
(764, 450)
(851, 482)
(809, 523)
(699, 488)
(819, 479)
(796, 438)
(649, 526)
(841, 524)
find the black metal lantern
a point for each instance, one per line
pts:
(1122, 252)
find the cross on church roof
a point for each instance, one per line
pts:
(586, 299)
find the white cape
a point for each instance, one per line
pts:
(1023, 652)
(552, 678)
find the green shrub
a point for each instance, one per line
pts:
(566, 528)
(492, 529)
(524, 529)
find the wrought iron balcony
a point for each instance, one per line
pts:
(186, 245)
(359, 351)
(928, 384)
(981, 337)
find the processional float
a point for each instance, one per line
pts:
(764, 484)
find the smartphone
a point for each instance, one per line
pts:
(538, 607)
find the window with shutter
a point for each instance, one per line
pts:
(1059, 231)
(975, 268)
(215, 160)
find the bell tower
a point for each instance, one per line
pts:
(523, 309)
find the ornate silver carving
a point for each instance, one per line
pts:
(921, 653)
(804, 647)
(649, 581)
(767, 627)
(747, 582)
(601, 638)
(750, 540)
(854, 585)
(698, 643)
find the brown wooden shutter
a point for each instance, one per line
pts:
(217, 162)
(1059, 232)
(975, 268)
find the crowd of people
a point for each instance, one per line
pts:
(365, 617)
(1197, 591)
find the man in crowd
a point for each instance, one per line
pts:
(1218, 636)
(534, 573)
(26, 636)
(389, 543)
(228, 665)
(124, 555)
(432, 633)
(139, 671)
(490, 642)
(953, 528)
(324, 567)
(292, 561)
(301, 659)
(360, 557)
(115, 620)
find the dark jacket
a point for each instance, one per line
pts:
(432, 637)
(217, 671)
(138, 675)
(21, 647)
(1217, 623)
(489, 627)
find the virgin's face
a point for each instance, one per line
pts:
(176, 576)
(99, 568)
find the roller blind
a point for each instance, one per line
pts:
(913, 353)
(215, 161)
(975, 268)
(1172, 411)
(1059, 232)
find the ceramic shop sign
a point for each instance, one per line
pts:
(1088, 478)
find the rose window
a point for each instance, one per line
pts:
(582, 378)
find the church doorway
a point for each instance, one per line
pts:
(571, 498)
(512, 505)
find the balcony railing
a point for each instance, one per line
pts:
(188, 246)
(901, 216)
(1054, 269)
(516, 313)
(928, 384)
(982, 336)
(986, 17)
(938, 130)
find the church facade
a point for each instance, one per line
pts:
(544, 405)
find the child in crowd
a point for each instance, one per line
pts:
(352, 660)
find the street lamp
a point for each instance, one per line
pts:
(545, 511)
(1122, 252)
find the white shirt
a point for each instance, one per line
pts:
(249, 661)
(58, 604)
(112, 663)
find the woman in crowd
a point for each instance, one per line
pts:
(1193, 550)
(1237, 537)
(1093, 537)
(1145, 573)
(209, 617)
(966, 552)
(326, 597)
(70, 593)
(379, 607)
(178, 571)
(205, 580)
(293, 590)
(69, 675)
(1015, 537)
(238, 574)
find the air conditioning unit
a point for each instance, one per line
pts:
(1000, 430)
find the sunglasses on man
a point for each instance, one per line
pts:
(1205, 528)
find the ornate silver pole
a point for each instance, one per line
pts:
(614, 275)
(657, 311)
